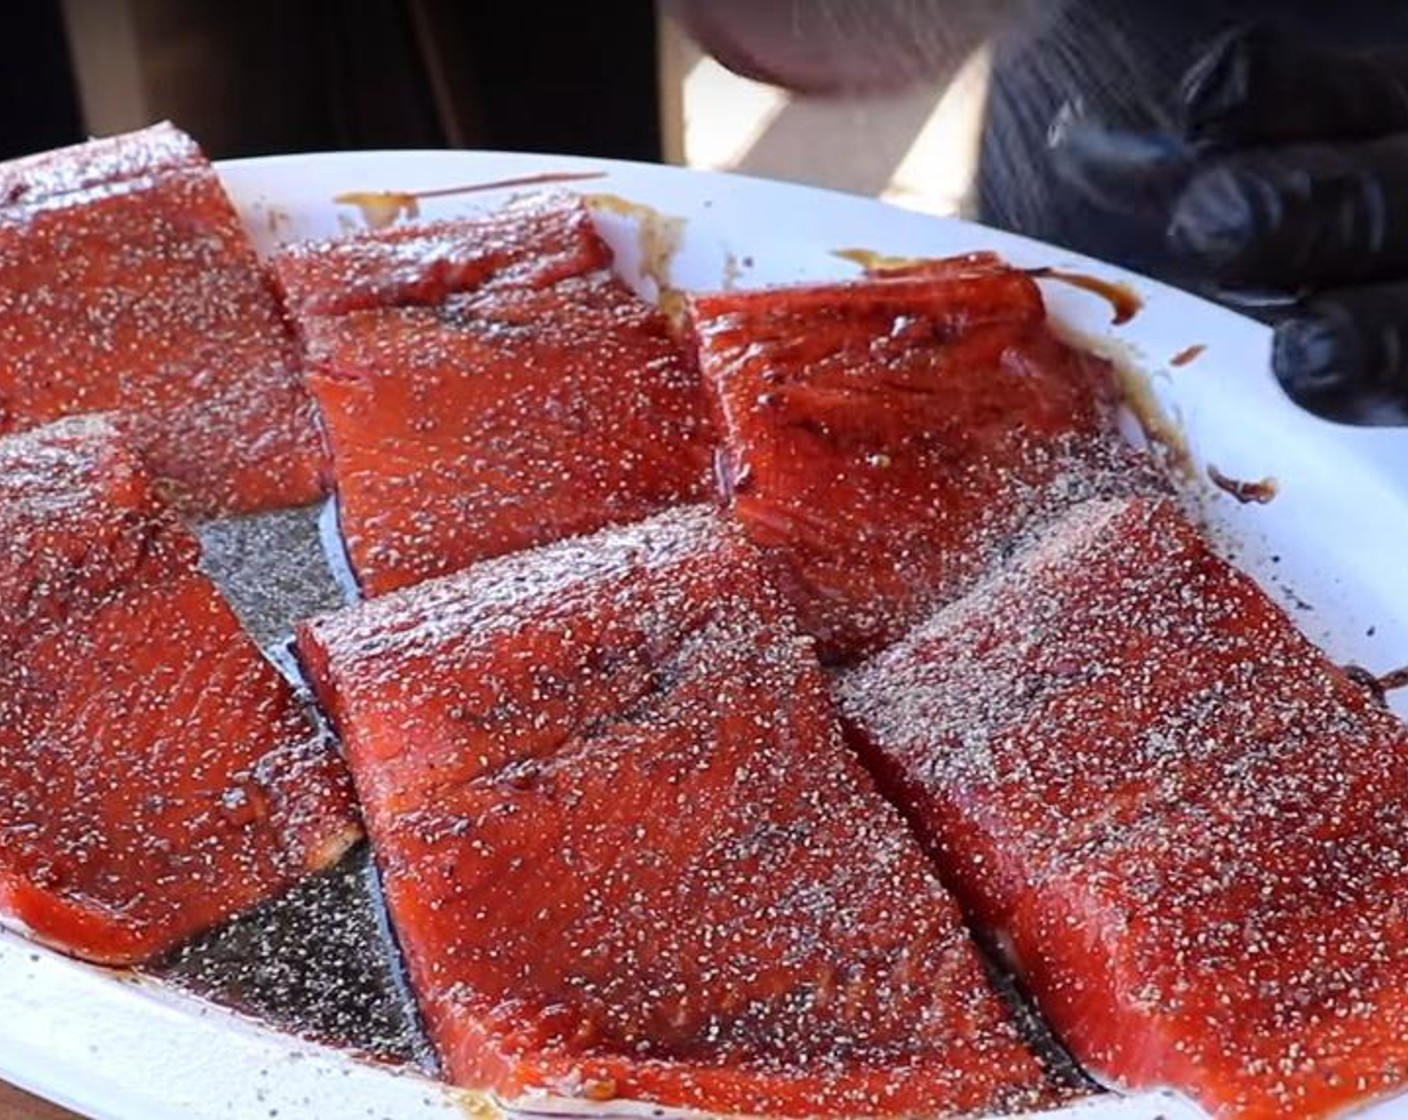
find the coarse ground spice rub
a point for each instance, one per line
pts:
(884, 441)
(625, 847)
(489, 385)
(157, 774)
(128, 284)
(1186, 819)
(628, 855)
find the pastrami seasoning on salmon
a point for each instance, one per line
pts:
(127, 283)
(489, 385)
(1185, 819)
(157, 774)
(627, 855)
(884, 439)
(534, 242)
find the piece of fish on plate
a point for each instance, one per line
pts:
(488, 386)
(127, 283)
(627, 854)
(1187, 821)
(885, 439)
(537, 241)
(157, 774)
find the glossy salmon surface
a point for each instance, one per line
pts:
(627, 855)
(542, 401)
(1185, 819)
(157, 774)
(534, 242)
(127, 283)
(884, 439)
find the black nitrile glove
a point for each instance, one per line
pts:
(1284, 170)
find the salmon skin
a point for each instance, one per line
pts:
(1187, 821)
(157, 774)
(627, 855)
(511, 390)
(885, 438)
(128, 284)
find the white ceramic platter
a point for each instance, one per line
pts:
(1333, 545)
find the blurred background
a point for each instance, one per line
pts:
(620, 80)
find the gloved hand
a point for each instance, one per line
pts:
(1284, 171)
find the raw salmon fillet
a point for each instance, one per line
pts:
(128, 284)
(535, 242)
(541, 401)
(884, 438)
(1188, 821)
(627, 855)
(157, 774)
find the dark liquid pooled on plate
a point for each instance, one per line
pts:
(317, 962)
(321, 961)
(1125, 302)
(1059, 1063)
